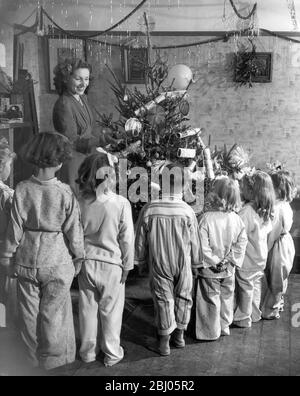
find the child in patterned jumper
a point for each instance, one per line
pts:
(45, 234)
(109, 249)
(223, 240)
(257, 213)
(168, 241)
(281, 245)
(7, 284)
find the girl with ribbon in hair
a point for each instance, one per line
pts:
(109, 254)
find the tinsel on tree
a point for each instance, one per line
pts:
(153, 126)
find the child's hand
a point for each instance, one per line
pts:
(222, 266)
(124, 276)
(11, 272)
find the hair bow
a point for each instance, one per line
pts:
(112, 159)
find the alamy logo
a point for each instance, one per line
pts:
(141, 185)
(296, 316)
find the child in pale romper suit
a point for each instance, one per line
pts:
(109, 248)
(168, 241)
(256, 214)
(223, 241)
(281, 246)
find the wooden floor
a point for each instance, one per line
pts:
(268, 348)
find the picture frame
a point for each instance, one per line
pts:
(134, 65)
(262, 61)
(59, 50)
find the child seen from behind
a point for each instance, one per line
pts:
(45, 234)
(109, 247)
(280, 244)
(258, 194)
(223, 242)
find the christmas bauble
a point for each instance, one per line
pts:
(134, 126)
(180, 76)
(184, 107)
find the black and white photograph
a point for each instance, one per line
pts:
(149, 191)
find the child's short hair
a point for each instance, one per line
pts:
(88, 174)
(224, 195)
(47, 150)
(172, 179)
(262, 194)
(5, 153)
(284, 185)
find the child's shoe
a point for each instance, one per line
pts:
(244, 324)
(108, 362)
(281, 305)
(164, 345)
(178, 338)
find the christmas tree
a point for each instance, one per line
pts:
(153, 128)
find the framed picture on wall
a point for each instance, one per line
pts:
(259, 64)
(135, 61)
(59, 50)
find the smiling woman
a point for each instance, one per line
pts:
(72, 115)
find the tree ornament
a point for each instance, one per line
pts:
(134, 126)
(189, 132)
(180, 77)
(186, 153)
(184, 107)
(208, 163)
(162, 97)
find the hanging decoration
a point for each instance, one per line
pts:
(249, 16)
(246, 66)
(292, 10)
(233, 33)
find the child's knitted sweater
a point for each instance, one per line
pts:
(45, 228)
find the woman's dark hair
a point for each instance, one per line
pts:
(224, 196)
(284, 185)
(47, 150)
(87, 174)
(261, 194)
(64, 70)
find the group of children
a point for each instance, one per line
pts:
(232, 263)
